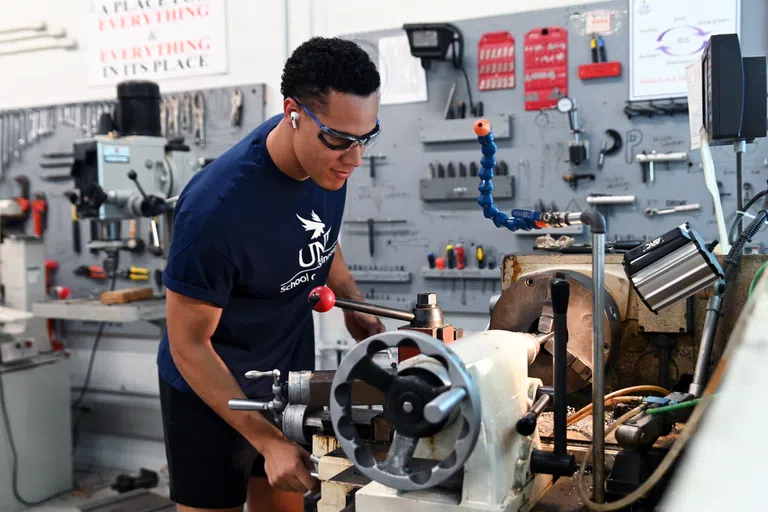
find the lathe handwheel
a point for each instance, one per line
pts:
(460, 400)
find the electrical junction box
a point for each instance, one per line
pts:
(734, 92)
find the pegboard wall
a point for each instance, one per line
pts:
(38, 144)
(408, 219)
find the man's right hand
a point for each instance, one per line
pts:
(287, 466)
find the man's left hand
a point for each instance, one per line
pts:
(362, 325)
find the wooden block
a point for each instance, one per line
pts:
(127, 295)
(331, 465)
(323, 444)
(334, 495)
(382, 429)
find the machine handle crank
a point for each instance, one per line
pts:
(526, 425)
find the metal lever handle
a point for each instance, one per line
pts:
(526, 425)
(238, 404)
(256, 374)
(154, 247)
(560, 290)
(134, 178)
(441, 407)
(322, 299)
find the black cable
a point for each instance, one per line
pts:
(744, 210)
(732, 261)
(469, 89)
(86, 383)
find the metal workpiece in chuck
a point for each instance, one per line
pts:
(418, 404)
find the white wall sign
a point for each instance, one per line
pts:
(598, 22)
(666, 36)
(403, 79)
(155, 39)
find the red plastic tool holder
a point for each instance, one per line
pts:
(599, 70)
(496, 61)
(545, 59)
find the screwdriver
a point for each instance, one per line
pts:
(601, 48)
(480, 257)
(450, 256)
(459, 256)
(593, 47)
(135, 274)
(75, 231)
(431, 260)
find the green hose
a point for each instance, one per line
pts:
(756, 278)
(673, 407)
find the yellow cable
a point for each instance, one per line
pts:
(573, 418)
(580, 415)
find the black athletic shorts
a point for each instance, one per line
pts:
(209, 462)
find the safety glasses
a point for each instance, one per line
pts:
(341, 141)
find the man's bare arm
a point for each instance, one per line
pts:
(191, 323)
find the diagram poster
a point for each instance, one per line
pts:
(666, 36)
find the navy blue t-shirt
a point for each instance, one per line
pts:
(253, 241)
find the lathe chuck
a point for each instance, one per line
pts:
(521, 307)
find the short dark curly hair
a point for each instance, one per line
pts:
(321, 64)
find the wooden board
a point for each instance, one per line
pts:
(127, 295)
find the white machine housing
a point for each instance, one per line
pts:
(13, 346)
(22, 274)
(497, 474)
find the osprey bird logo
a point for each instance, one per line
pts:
(316, 225)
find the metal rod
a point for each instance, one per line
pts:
(72, 45)
(661, 157)
(10, 30)
(714, 304)
(364, 307)
(611, 199)
(237, 404)
(740, 147)
(598, 366)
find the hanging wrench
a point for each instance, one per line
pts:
(186, 113)
(237, 108)
(163, 118)
(173, 118)
(652, 212)
(199, 109)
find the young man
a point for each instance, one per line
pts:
(254, 232)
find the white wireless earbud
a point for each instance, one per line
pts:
(294, 119)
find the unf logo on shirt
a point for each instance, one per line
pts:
(314, 255)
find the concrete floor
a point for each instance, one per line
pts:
(99, 483)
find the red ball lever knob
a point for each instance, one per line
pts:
(322, 299)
